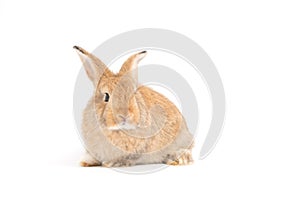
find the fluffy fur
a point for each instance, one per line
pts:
(137, 125)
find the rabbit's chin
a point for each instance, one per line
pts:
(122, 127)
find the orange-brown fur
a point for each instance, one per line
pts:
(159, 133)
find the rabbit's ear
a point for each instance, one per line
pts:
(130, 65)
(92, 65)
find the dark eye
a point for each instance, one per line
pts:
(106, 97)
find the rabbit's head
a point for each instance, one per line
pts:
(117, 102)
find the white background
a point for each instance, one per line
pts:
(255, 46)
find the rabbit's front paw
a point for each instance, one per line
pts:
(86, 164)
(88, 161)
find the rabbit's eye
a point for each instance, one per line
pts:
(106, 97)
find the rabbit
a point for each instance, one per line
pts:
(126, 124)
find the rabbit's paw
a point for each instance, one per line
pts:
(88, 161)
(86, 164)
(181, 157)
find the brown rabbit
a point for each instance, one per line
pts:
(127, 124)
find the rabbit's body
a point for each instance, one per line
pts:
(126, 124)
(98, 141)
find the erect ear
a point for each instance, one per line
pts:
(130, 65)
(92, 65)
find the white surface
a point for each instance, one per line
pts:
(255, 46)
